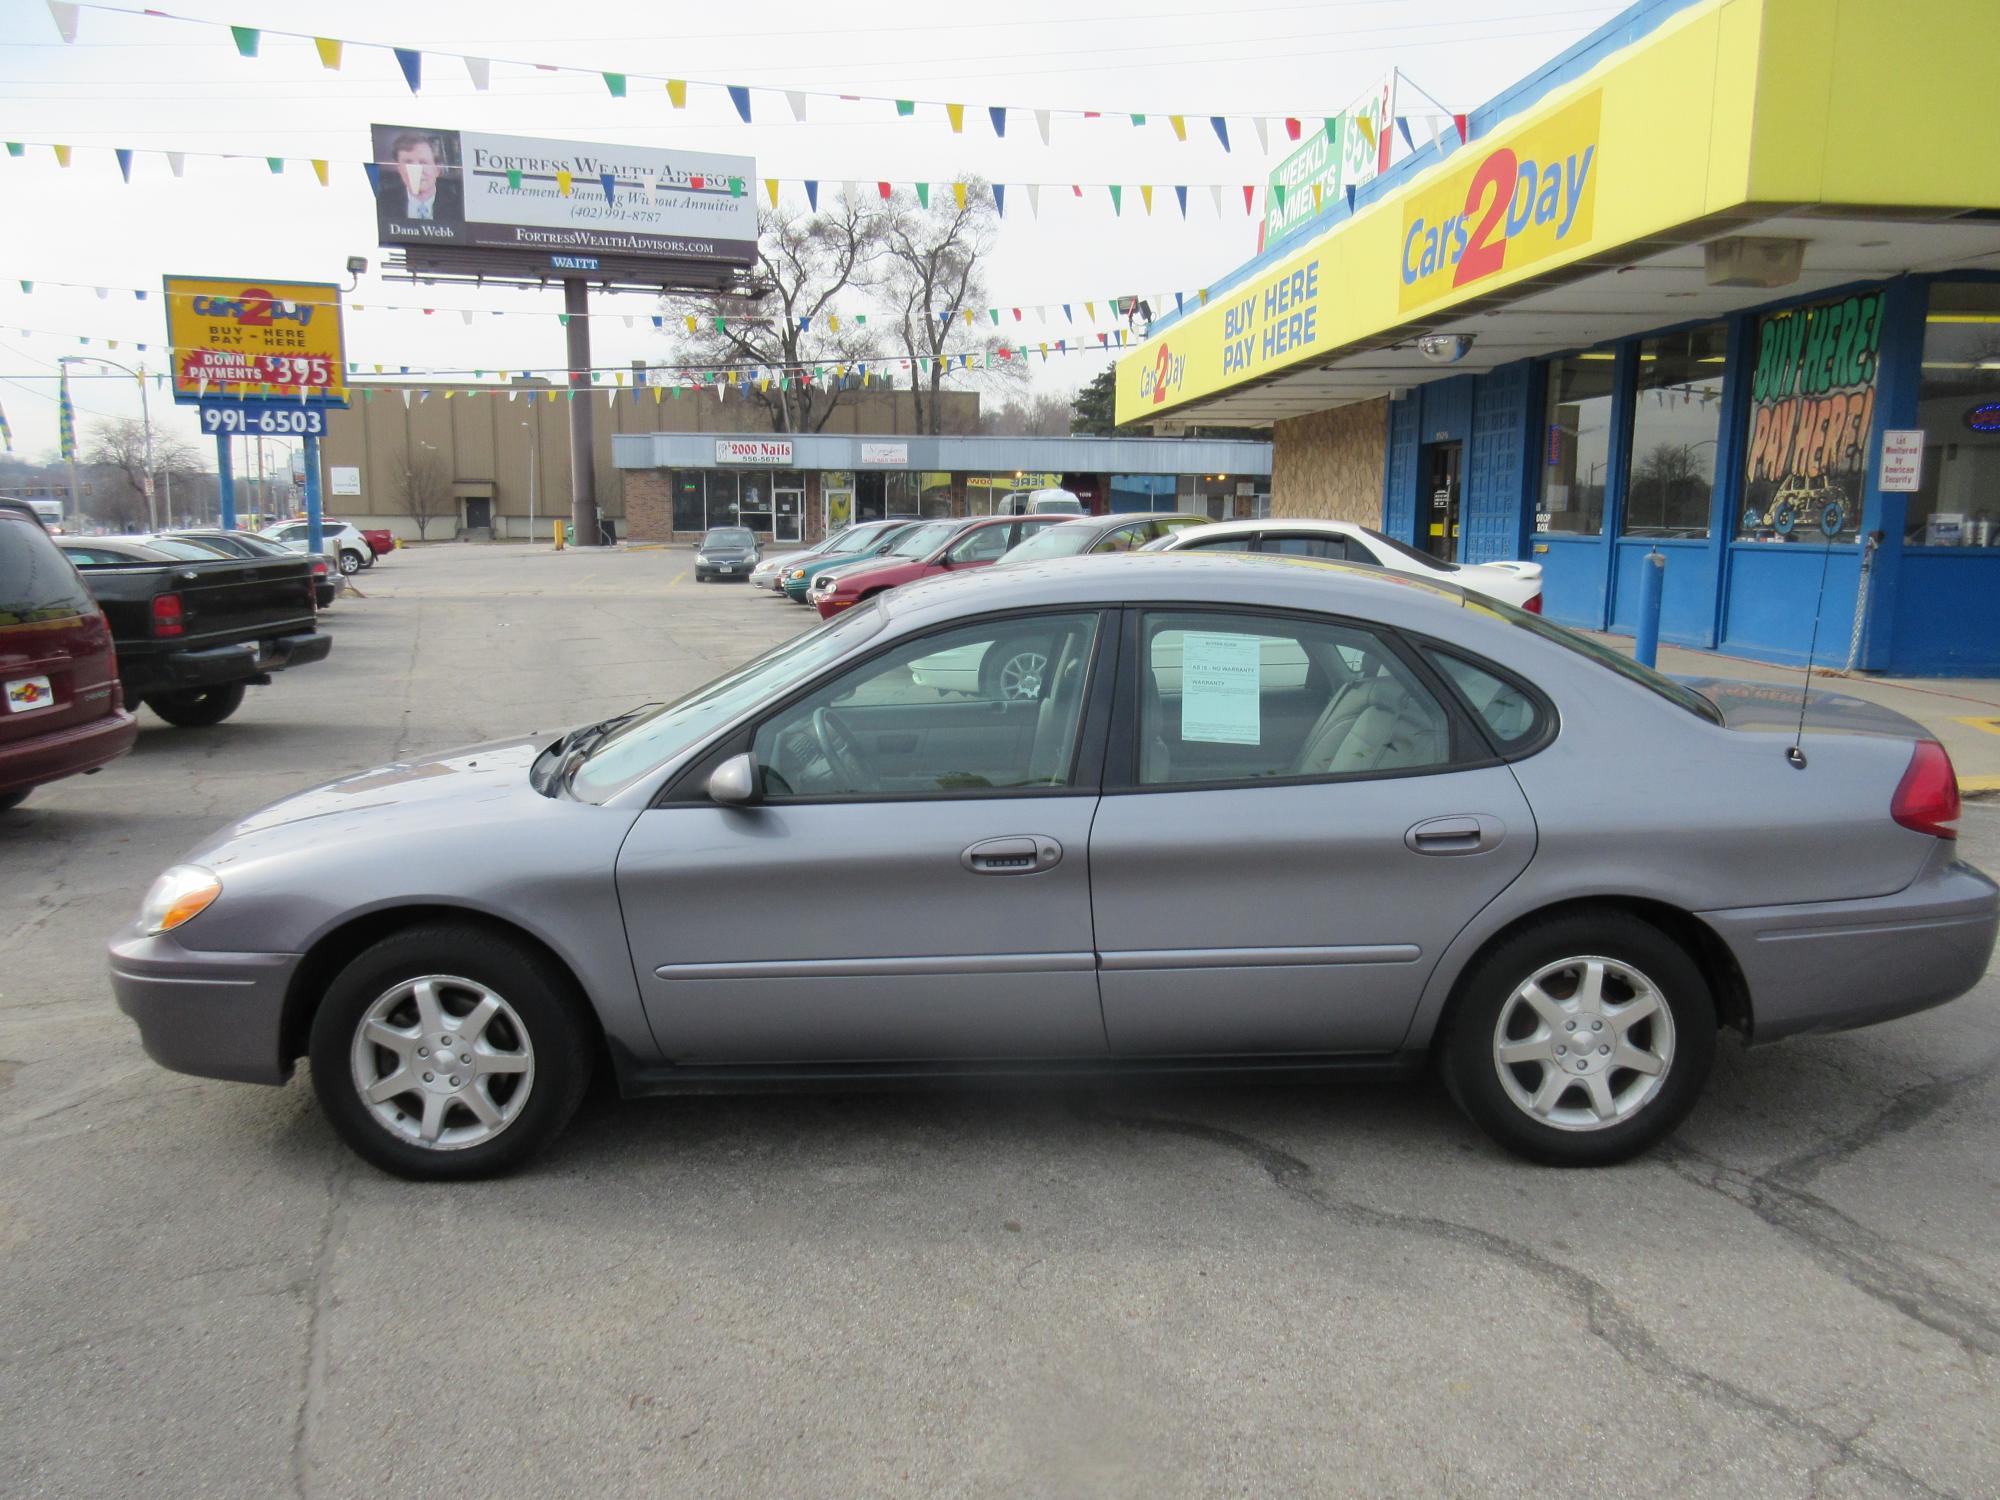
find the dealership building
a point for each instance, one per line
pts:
(797, 487)
(1721, 283)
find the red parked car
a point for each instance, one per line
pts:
(381, 541)
(935, 547)
(64, 711)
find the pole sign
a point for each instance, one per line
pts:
(255, 341)
(562, 203)
(262, 419)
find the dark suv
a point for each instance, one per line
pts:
(63, 710)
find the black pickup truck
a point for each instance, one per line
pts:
(193, 630)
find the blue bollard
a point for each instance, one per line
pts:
(1652, 586)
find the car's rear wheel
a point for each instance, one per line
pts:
(1014, 671)
(11, 800)
(449, 1051)
(197, 708)
(349, 563)
(1582, 1040)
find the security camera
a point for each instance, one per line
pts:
(1445, 348)
(357, 264)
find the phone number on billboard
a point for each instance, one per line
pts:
(228, 421)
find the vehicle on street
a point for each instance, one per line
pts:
(50, 514)
(1468, 837)
(1515, 583)
(1126, 532)
(1043, 502)
(932, 548)
(725, 552)
(193, 629)
(337, 537)
(768, 574)
(329, 583)
(867, 540)
(64, 712)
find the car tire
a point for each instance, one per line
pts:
(538, 1017)
(1508, 1054)
(349, 563)
(197, 708)
(1015, 671)
(11, 800)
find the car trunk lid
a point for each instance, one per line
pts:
(1769, 707)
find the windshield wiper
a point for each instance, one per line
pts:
(574, 747)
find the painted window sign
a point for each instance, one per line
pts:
(1529, 200)
(1812, 406)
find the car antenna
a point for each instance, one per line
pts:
(1832, 515)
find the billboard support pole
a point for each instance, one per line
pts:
(315, 533)
(582, 452)
(225, 480)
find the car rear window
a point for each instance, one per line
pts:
(36, 580)
(1603, 655)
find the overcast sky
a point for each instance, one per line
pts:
(156, 85)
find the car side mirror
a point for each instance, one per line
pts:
(734, 783)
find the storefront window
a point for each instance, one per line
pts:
(689, 514)
(935, 496)
(754, 505)
(1575, 446)
(723, 509)
(1676, 423)
(1958, 408)
(1812, 410)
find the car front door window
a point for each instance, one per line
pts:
(991, 707)
(983, 545)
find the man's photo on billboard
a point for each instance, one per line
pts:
(419, 189)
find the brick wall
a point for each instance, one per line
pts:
(1329, 464)
(649, 504)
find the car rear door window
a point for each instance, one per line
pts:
(1228, 698)
(36, 580)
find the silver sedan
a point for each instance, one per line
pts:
(1362, 824)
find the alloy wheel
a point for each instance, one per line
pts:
(1023, 675)
(1584, 1043)
(442, 1062)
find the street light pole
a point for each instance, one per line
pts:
(534, 473)
(146, 420)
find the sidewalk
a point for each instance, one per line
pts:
(1962, 712)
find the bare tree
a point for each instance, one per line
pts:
(929, 276)
(793, 340)
(425, 493)
(1046, 414)
(118, 448)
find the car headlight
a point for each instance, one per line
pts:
(797, 573)
(178, 897)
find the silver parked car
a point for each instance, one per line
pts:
(1358, 824)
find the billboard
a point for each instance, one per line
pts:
(253, 339)
(561, 202)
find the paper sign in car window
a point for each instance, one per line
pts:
(1220, 688)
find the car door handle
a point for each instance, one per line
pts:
(1022, 854)
(1462, 833)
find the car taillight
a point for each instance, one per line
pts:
(167, 616)
(319, 569)
(1927, 797)
(1534, 605)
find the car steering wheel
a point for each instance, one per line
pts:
(837, 744)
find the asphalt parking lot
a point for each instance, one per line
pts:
(1266, 1290)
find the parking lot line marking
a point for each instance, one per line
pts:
(675, 579)
(1991, 724)
(1970, 785)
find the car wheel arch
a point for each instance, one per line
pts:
(1696, 938)
(335, 948)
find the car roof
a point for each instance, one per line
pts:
(1275, 523)
(1123, 518)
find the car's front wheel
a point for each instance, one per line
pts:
(450, 1051)
(1581, 1040)
(197, 708)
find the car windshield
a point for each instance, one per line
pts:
(924, 540)
(1063, 540)
(1600, 653)
(724, 537)
(261, 544)
(1409, 553)
(648, 741)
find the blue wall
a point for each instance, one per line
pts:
(1496, 466)
(1399, 474)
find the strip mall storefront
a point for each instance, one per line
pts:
(795, 489)
(1671, 296)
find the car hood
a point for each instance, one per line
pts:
(1774, 706)
(455, 784)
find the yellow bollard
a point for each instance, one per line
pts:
(558, 535)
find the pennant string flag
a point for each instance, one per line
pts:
(328, 49)
(412, 64)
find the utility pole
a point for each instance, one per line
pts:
(534, 466)
(582, 450)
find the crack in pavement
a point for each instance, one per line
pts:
(1865, 1259)
(1605, 1317)
(316, 1287)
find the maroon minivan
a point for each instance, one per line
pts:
(63, 710)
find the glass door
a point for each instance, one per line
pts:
(836, 489)
(791, 509)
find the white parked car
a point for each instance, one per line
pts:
(1515, 583)
(340, 537)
